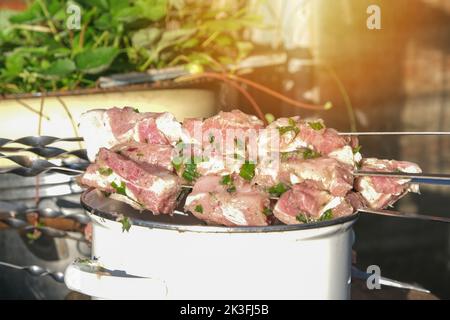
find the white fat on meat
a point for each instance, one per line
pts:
(345, 155)
(170, 127)
(95, 128)
(234, 215)
(332, 204)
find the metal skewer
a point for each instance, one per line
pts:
(36, 271)
(427, 178)
(39, 141)
(407, 215)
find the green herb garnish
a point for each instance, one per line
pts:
(247, 171)
(105, 171)
(278, 189)
(302, 218)
(177, 162)
(120, 189)
(357, 149)
(267, 212)
(327, 215)
(190, 172)
(211, 139)
(310, 154)
(198, 208)
(231, 189)
(283, 130)
(316, 125)
(226, 180)
(126, 224)
(136, 110)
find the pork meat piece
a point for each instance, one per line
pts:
(296, 133)
(107, 128)
(324, 173)
(228, 201)
(213, 130)
(381, 192)
(143, 186)
(303, 203)
(147, 154)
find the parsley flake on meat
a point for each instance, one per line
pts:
(120, 189)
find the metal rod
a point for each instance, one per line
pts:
(408, 215)
(428, 178)
(36, 271)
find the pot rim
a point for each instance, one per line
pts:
(112, 216)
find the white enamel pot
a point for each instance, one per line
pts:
(163, 257)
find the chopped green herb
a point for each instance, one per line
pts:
(136, 110)
(226, 180)
(357, 149)
(286, 155)
(211, 138)
(120, 189)
(231, 189)
(267, 212)
(316, 125)
(105, 171)
(292, 122)
(283, 130)
(126, 224)
(247, 171)
(199, 208)
(310, 154)
(33, 235)
(327, 215)
(177, 162)
(302, 218)
(278, 189)
(190, 172)
(291, 154)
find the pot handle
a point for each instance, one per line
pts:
(89, 278)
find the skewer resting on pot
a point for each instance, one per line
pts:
(321, 173)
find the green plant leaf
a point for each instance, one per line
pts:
(128, 14)
(32, 14)
(96, 60)
(153, 10)
(14, 63)
(145, 37)
(60, 68)
(117, 5)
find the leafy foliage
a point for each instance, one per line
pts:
(39, 52)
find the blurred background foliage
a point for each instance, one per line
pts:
(40, 53)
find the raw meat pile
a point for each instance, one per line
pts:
(145, 158)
